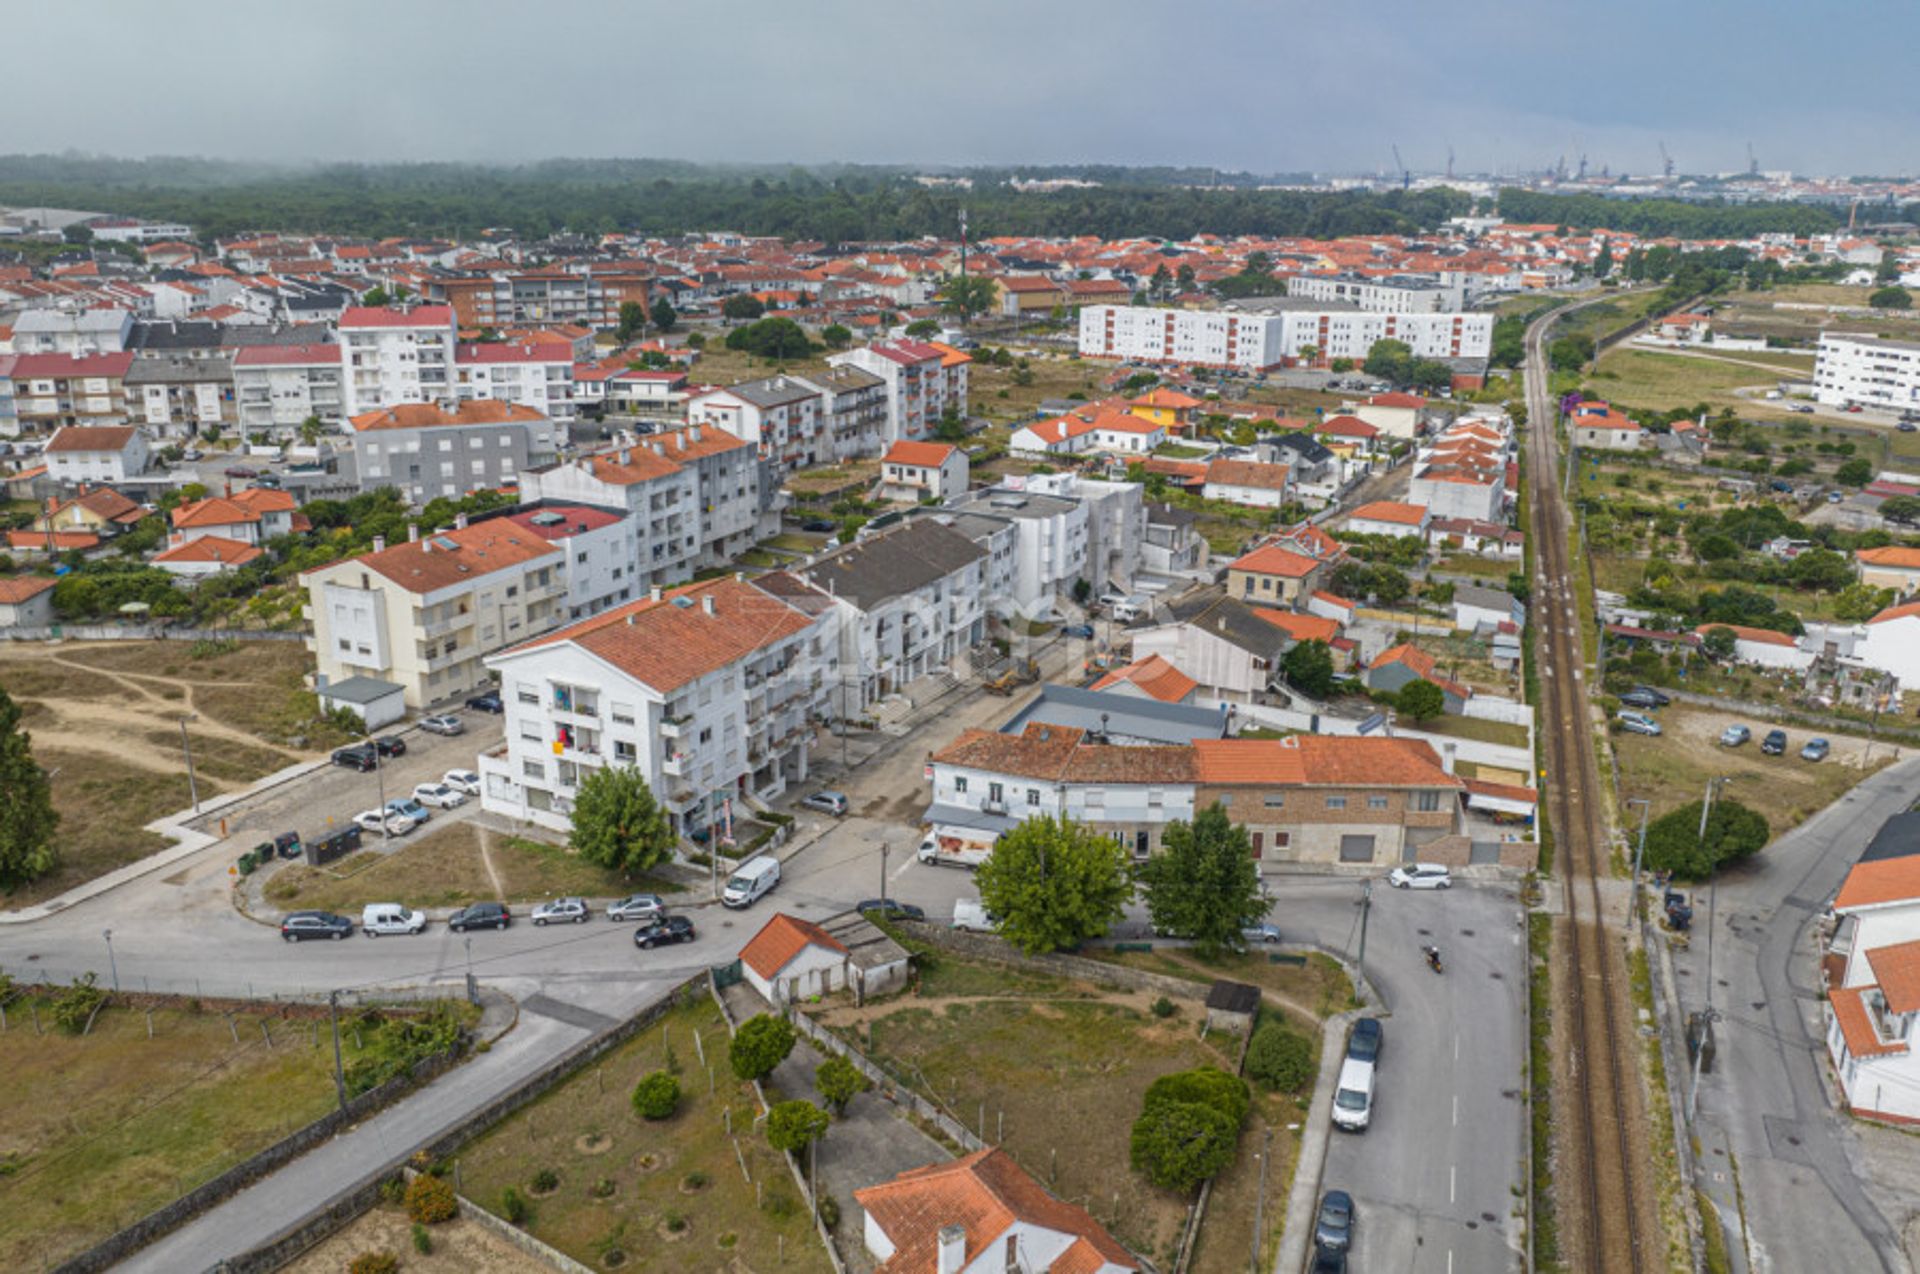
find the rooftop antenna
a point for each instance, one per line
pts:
(1582, 175)
(964, 315)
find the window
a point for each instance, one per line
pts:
(533, 769)
(624, 752)
(706, 735)
(995, 792)
(1259, 843)
(1274, 801)
(528, 695)
(1336, 802)
(1376, 802)
(530, 730)
(1426, 802)
(1096, 798)
(1033, 796)
(960, 783)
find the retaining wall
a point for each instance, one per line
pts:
(143, 632)
(994, 950)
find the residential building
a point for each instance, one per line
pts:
(1274, 575)
(421, 615)
(982, 1214)
(1480, 538)
(182, 396)
(1765, 648)
(921, 471)
(1872, 371)
(1396, 415)
(536, 374)
(1892, 643)
(1153, 677)
(781, 417)
(1598, 427)
(1889, 566)
(77, 333)
(1381, 294)
(205, 555)
(278, 387)
(853, 404)
(428, 451)
(1484, 610)
(590, 296)
(1459, 492)
(599, 548)
(707, 691)
(1266, 332)
(252, 516)
(923, 379)
(1872, 975)
(1218, 641)
(55, 390)
(1050, 543)
(1173, 553)
(1390, 517)
(1169, 408)
(96, 453)
(1398, 666)
(1018, 295)
(1249, 482)
(26, 601)
(1061, 436)
(394, 356)
(791, 959)
(101, 510)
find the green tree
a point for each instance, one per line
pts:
(1205, 1085)
(920, 329)
(760, 1044)
(836, 336)
(1161, 283)
(1821, 570)
(1674, 842)
(1183, 1135)
(1054, 883)
(663, 314)
(1281, 1058)
(742, 306)
(617, 823)
(1603, 262)
(776, 338)
(78, 232)
(951, 427)
(1857, 472)
(1184, 278)
(1204, 883)
(1421, 700)
(793, 1125)
(1571, 352)
(633, 321)
(1386, 359)
(1857, 603)
(1390, 585)
(696, 340)
(311, 430)
(1890, 299)
(657, 1095)
(839, 1081)
(1904, 509)
(1718, 643)
(376, 296)
(967, 295)
(27, 816)
(1308, 666)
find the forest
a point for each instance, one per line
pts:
(1662, 217)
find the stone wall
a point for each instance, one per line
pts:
(994, 950)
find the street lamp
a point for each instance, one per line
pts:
(380, 777)
(1639, 854)
(193, 787)
(1713, 896)
(111, 963)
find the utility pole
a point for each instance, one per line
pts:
(111, 964)
(1366, 906)
(380, 777)
(193, 786)
(1639, 854)
(339, 1070)
(1706, 1015)
(1260, 1199)
(966, 316)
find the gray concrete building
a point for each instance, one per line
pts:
(428, 451)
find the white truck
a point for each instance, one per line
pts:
(971, 916)
(937, 850)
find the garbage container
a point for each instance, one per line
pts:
(245, 864)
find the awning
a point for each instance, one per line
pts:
(962, 816)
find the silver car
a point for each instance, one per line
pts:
(561, 911)
(443, 725)
(1262, 932)
(641, 907)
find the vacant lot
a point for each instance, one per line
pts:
(1629, 377)
(998, 396)
(103, 1129)
(1673, 770)
(459, 1247)
(449, 865)
(1482, 731)
(625, 1182)
(719, 365)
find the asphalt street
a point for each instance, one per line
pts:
(1798, 1159)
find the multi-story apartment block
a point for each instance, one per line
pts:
(54, 390)
(1388, 294)
(1267, 333)
(707, 691)
(97, 453)
(428, 451)
(923, 379)
(277, 387)
(531, 374)
(599, 550)
(421, 615)
(589, 297)
(81, 333)
(781, 417)
(391, 356)
(1050, 543)
(853, 403)
(181, 395)
(1873, 371)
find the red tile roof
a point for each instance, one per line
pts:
(1881, 881)
(59, 366)
(1422, 665)
(210, 548)
(480, 411)
(1764, 636)
(1154, 676)
(1856, 1024)
(1391, 511)
(1891, 612)
(780, 940)
(445, 558)
(92, 438)
(28, 540)
(15, 589)
(213, 511)
(1322, 760)
(574, 519)
(362, 316)
(1271, 559)
(927, 455)
(1897, 969)
(316, 355)
(1254, 474)
(1298, 626)
(1889, 555)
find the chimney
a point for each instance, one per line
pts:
(706, 603)
(953, 1249)
(413, 532)
(379, 543)
(659, 449)
(680, 439)
(626, 456)
(655, 594)
(426, 545)
(1447, 751)
(629, 619)
(459, 521)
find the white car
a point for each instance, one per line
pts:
(462, 781)
(441, 796)
(561, 911)
(377, 820)
(1261, 932)
(1420, 876)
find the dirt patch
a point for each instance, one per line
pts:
(459, 1247)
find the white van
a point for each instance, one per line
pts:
(970, 915)
(1135, 607)
(754, 879)
(390, 917)
(1353, 1099)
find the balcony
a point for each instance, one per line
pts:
(431, 629)
(993, 805)
(675, 727)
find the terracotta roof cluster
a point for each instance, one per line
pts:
(91, 437)
(479, 411)
(1252, 474)
(1421, 665)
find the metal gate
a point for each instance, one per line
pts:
(726, 975)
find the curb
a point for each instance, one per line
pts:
(1309, 1170)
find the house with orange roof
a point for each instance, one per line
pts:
(1398, 666)
(917, 471)
(1169, 407)
(1390, 517)
(1153, 677)
(1769, 648)
(1892, 566)
(705, 689)
(1598, 427)
(1872, 971)
(1065, 435)
(205, 555)
(26, 601)
(252, 516)
(1019, 294)
(1274, 575)
(791, 959)
(982, 1214)
(1253, 483)
(101, 510)
(1396, 415)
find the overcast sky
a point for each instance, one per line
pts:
(1270, 87)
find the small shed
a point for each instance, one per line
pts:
(374, 701)
(1232, 1006)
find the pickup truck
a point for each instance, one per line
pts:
(953, 851)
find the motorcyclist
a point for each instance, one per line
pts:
(1433, 957)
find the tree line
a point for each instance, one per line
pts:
(1683, 219)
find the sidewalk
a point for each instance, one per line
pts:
(1297, 1230)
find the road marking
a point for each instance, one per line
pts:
(1456, 1110)
(905, 867)
(1456, 1046)
(1453, 1172)
(1449, 1261)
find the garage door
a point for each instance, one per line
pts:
(1356, 849)
(1484, 852)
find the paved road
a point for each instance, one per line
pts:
(1805, 1204)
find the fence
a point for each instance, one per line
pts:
(888, 1086)
(1488, 708)
(143, 632)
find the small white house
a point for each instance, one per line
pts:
(1873, 974)
(1892, 643)
(792, 959)
(922, 471)
(26, 601)
(375, 702)
(1390, 517)
(1478, 609)
(1762, 647)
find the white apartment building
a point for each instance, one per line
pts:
(1873, 371)
(922, 378)
(277, 387)
(1051, 544)
(80, 333)
(599, 550)
(853, 404)
(707, 691)
(1266, 333)
(1872, 1006)
(392, 356)
(781, 417)
(533, 375)
(421, 615)
(1386, 294)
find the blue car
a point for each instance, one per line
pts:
(411, 808)
(1084, 631)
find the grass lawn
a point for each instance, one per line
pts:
(1317, 989)
(586, 1132)
(104, 806)
(1054, 376)
(1641, 378)
(853, 478)
(719, 365)
(447, 867)
(1491, 568)
(255, 687)
(1673, 770)
(103, 1129)
(1475, 728)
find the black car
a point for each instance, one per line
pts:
(664, 929)
(361, 756)
(819, 524)
(1660, 697)
(892, 908)
(1363, 1043)
(391, 745)
(1333, 1227)
(1641, 699)
(1775, 744)
(301, 925)
(488, 702)
(1328, 1261)
(481, 915)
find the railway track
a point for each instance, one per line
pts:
(1601, 1192)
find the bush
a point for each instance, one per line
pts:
(514, 1206)
(1163, 1007)
(430, 1200)
(1281, 1058)
(792, 1125)
(829, 1211)
(422, 1241)
(1178, 1144)
(696, 1180)
(779, 1205)
(73, 1007)
(839, 1081)
(393, 1190)
(1206, 1086)
(546, 1180)
(657, 1096)
(760, 1044)
(374, 1263)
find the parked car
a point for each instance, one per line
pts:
(1082, 631)
(834, 803)
(1637, 722)
(637, 907)
(462, 781)
(391, 745)
(1364, 1041)
(1328, 1261)
(439, 796)
(1420, 876)
(488, 702)
(1775, 744)
(481, 915)
(1907, 427)
(191, 453)
(383, 821)
(298, 926)
(1801, 409)
(407, 807)
(561, 911)
(1640, 699)
(359, 756)
(1333, 1227)
(1262, 932)
(1835, 497)
(1815, 750)
(1660, 697)
(1111, 598)
(891, 909)
(241, 471)
(390, 917)
(1855, 408)
(663, 929)
(819, 525)
(445, 724)
(1734, 735)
